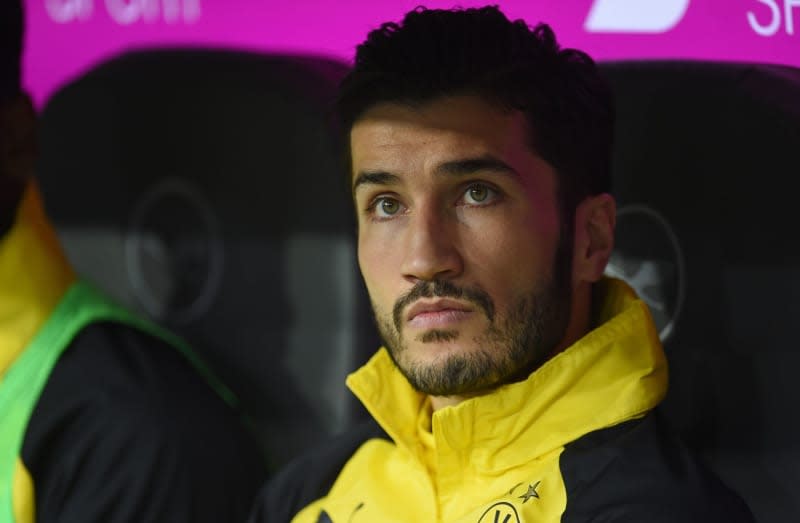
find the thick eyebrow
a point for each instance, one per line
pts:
(376, 178)
(455, 168)
(473, 165)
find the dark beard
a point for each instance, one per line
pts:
(510, 349)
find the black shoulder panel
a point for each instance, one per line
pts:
(310, 476)
(638, 471)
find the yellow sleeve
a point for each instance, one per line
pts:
(24, 509)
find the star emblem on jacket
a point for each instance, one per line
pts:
(531, 493)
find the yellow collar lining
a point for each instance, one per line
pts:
(616, 372)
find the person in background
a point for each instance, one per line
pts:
(517, 382)
(104, 417)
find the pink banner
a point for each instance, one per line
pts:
(66, 37)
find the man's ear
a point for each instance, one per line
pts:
(595, 219)
(18, 143)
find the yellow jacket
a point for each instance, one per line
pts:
(502, 449)
(575, 442)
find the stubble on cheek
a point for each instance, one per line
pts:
(389, 334)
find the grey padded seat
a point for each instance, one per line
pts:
(706, 162)
(205, 189)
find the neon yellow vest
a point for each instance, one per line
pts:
(23, 383)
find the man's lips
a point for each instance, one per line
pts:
(439, 313)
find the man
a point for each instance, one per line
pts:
(103, 417)
(517, 384)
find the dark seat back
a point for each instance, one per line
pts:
(206, 190)
(705, 166)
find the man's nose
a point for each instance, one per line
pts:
(431, 248)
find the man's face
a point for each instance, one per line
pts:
(458, 243)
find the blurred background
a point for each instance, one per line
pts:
(66, 37)
(190, 164)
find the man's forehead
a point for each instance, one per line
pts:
(448, 128)
(462, 112)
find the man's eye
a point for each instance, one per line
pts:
(385, 207)
(478, 194)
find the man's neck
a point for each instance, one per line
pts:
(439, 402)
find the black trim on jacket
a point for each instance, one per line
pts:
(635, 472)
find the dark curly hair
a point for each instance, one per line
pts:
(11, 30)
(478, 51)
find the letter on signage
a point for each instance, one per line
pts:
(787, 14)
(65, 11)
(775, 23)
(634, 16)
